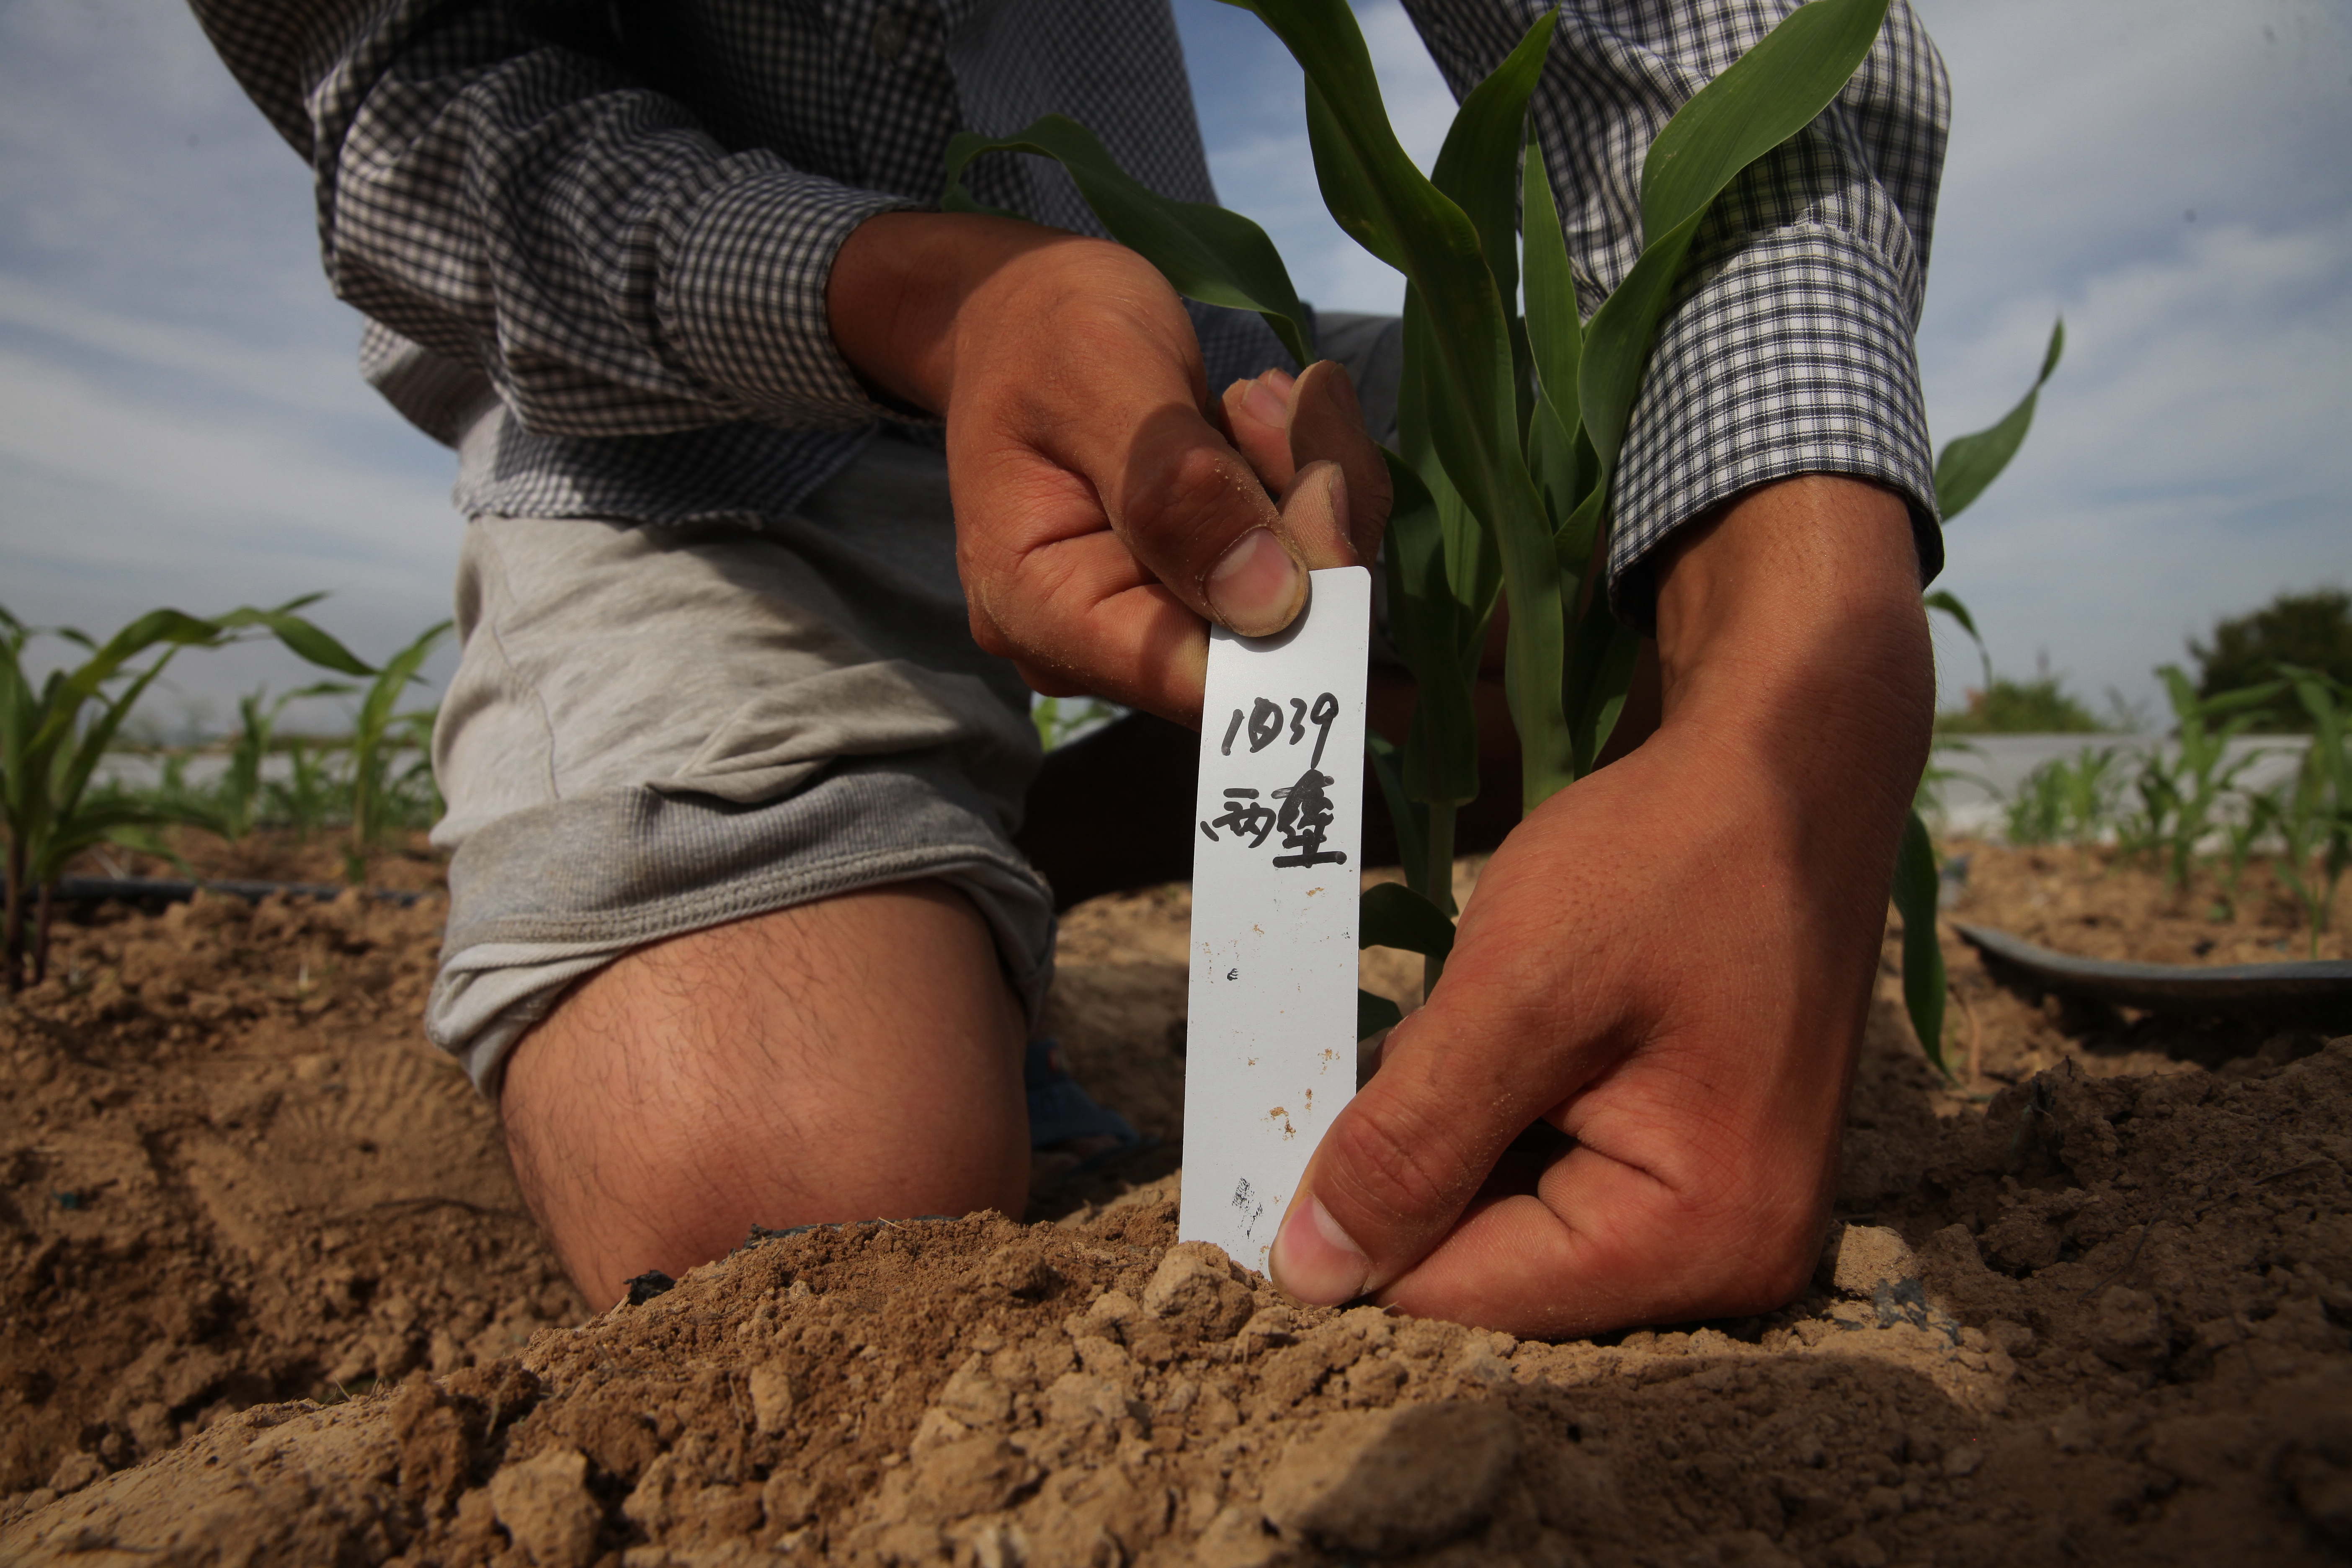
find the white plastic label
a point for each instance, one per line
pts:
(1270, 1048)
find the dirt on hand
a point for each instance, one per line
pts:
(2089, 1304)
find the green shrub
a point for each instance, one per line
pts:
(2042, 706)
(2312, 632)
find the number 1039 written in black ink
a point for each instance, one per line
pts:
(1303, 816)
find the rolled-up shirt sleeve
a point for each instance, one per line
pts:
(503, 199)
(1789, 347)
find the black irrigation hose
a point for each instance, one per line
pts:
(173, 890)
(2319, 990)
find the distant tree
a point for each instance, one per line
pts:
(2042, 706)
(2312, 629)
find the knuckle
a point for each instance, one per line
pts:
(1190, 508)
(1389, 1161)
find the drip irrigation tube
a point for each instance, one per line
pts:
(2319, 990)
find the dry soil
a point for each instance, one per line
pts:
(270, 1297)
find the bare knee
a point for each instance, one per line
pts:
(853, 1059)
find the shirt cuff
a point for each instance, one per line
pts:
(744, 303)
(1792, 356)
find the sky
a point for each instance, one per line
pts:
(181, 421)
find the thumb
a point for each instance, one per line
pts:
(1397, 1167)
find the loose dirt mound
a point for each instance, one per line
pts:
(2096, 1314)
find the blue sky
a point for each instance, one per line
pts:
(180, 421)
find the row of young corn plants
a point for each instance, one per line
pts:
(57, 735)
(2189, 804)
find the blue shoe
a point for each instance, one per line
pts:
(1064, 1116)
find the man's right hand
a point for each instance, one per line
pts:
(1101, 518)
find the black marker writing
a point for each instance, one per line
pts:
(1327, 709)
(1243, 814)
(1305, 822)
(1264, 724)
(1307, 814)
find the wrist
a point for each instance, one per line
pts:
(1790, 634)
(903, 284)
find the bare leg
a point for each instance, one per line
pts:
(854, 1059)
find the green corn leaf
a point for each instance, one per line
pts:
(1949, 604)
(81, 762)
(1407, 817)
(1374, 1014)
(1206, 253)
(1605, 652)
(1470, 395)
(1551, 458)
(1478, 164)
(1474, 565)
(1969, 463)
(1767, 95)
(300, 636)
(1916, 886)
(1394, 915)
(1347, 184)
(1441, 765)
(1555, 327)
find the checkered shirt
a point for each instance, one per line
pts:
(617, 220)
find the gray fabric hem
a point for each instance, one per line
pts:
(491, 991)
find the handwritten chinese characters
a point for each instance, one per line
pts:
(1305, 815)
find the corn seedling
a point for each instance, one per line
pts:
(2315, 815)
(2183, 790)
(383, 801)
(52, 739)
(309, 797)
(1963, 469)
(2065, 800)
(240, 797)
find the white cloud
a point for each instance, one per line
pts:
(305, 373)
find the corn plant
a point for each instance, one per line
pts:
(241, 795)
(2314, 815)
(1963, 469)
(307, 797)
(383, 801)
(52, 739)
(2184, 790)
(2065, 800)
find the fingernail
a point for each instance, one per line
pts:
(1254, 588)
(1264, 405)
(1340, 496)
(1313, 1261)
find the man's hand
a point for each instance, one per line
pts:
(1101, 517)
(1670, 960)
